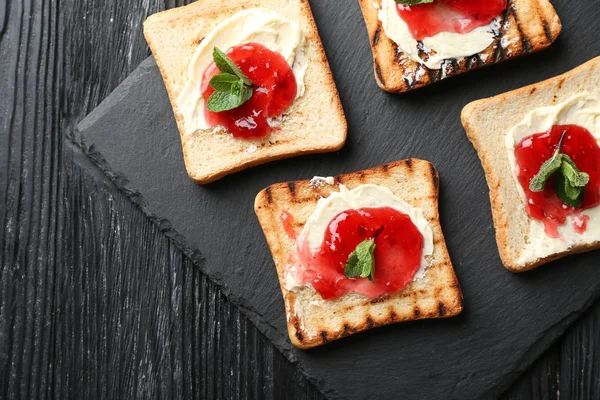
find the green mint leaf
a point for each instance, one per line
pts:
(242, 91)
(361, 262)
(232, 86)
(245, 94)
(572, 174)
(569, 183)
(547, 169)
(412, 2)
(571, 196)
(223, 101)
(227, 66)
(237, 95)
(237, 88)
(223, 82)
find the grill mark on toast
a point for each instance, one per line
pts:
(393, 316)
(408, 163)
(454, 68)
(378, 73)
(473, 62)
(370, 323)
(269, 195)
(499, 53)
(295, 321)
(407, 82)
(292, 187)
(417, 312)
(524, 39)
(348, 330)
(380, 299)
(376, 36)
(442, 309)
(547, 31)
(456, 286)
(505, 16)
(435, 177)
(434, 74)
(561, 83)
(385, 167)
(324, 336)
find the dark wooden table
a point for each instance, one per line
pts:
(95, 301)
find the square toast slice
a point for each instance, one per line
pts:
(527, 26)
(487, 122)
(314, 123)
(313, 321)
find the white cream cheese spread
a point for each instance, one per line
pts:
(363, 196)
(257, 25)
(583, 110)
(319, 181)
(439, 47)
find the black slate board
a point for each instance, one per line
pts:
(508, 320)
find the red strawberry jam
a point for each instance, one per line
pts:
(534, 150)
(274, 91)
(287, 221)
(457, 16)
(398, 250)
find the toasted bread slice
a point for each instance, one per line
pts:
(487, 122)
(313, 321)
(528, 26)
(314, 123)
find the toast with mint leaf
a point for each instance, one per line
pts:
(314, 123)
(523, 243)
(313, 321)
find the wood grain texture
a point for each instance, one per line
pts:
(95, 302)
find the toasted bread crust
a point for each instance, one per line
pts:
(313, 321)
(549, 92)
(529, 26)
(173, 48)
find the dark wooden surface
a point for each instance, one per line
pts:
(95, 301)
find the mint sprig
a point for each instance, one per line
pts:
(361, 262)
(413, 2)
(568, 182)
(232, 87)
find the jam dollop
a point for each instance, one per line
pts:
(457, 16)
(398, 252)
(274, 87)
(534, 150)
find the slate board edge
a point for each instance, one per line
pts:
(124, 185)
(121, 182)
(543, 343)
(89, 158)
